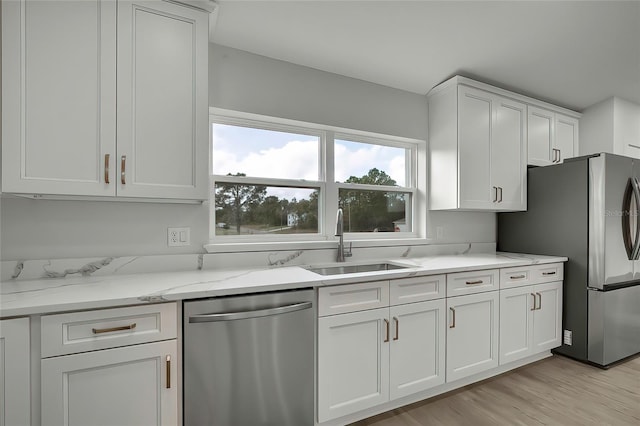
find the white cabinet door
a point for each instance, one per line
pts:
(132, 385)
(58, 96)
(472, 334)
(540, 131)
(516, 323)
(15, 397)
(530, 320)
(162, 109)
(547, 318)
(475, 115)
(417, 351)
(353, 362)
(508, 154)
(492, 144)
(552, 136)
(566, 140)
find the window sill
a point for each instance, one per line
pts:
(238, 247)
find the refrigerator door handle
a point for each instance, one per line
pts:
(636, 196)
(632, 246)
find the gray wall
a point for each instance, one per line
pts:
(246, 82)
(36, 229)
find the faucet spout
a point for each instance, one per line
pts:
(340, 233)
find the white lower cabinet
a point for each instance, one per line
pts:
(110, 367)
(472, 334)
(417, 347)
(353, 362)
(547, 318)
(132, 385)
(15, 407)
(369, 357)
(530, 320)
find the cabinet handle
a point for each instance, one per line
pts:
(559, 155)
(517, 277)
(500, 199)
(453, 318)
(168, 371)
(123, 175)
(533, 308)
(473, 282)
(539, 301)
(397, 327)
(107, 158)
(495, 194)
(112, 329)
(386, 324)
(556, 155)
(549, 273)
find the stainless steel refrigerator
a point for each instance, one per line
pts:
(588, 210)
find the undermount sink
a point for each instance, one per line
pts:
(354, 269)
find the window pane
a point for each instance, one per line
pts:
(258, 209)
(357, 162)
(255, 152)
(375, 211)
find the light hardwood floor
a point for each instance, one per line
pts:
(554, 391)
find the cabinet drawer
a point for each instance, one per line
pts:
(516, 277)
(107, 328)
(531, 274)
(548, 273)
(353, 297)
(461, 283)
(418, 289)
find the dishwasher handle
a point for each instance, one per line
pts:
(231, 316)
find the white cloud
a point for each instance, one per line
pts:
(294, 160)
(298, 159)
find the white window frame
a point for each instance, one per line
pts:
(328, 187)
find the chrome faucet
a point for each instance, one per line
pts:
(340, 233)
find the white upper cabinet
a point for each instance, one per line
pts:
(566, 141)
(612, 126)
(552, 136)
(69, 130)
(477, 143)
(162, 105)
(58, 96)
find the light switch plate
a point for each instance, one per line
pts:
(177, 237)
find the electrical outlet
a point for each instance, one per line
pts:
(568, 337)
(178, 237)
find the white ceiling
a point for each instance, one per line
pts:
(573, 53)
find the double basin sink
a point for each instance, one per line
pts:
(354, 269)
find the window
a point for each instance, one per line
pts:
(274, 181)
(374, 186)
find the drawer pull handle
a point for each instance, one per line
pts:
(453, 318)
(474, 282)
(549, 273)
(397, 327)
(386, 324)
(533, 308)
(110, 330)
(168, 371)
(539, 301)
(517, 277)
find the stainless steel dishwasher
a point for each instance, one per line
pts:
(248, 360)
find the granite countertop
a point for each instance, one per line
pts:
(48, 295)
